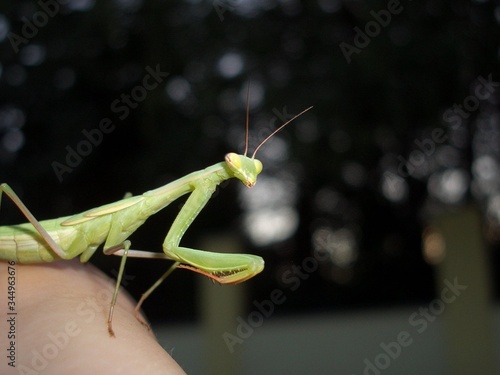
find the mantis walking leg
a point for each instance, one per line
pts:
(150, 290)
(123, 252)
(125, 246)
(4, 188)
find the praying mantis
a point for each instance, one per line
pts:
(81, 234)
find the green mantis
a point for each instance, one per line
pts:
(112, 224)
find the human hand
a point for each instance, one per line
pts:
(61, 324)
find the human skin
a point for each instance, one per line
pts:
(60, 325)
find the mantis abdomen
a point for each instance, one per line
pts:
(24, 244)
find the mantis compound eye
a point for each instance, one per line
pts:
(258, 166)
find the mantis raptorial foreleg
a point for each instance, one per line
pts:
(197, 200)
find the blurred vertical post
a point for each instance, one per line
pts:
(464, 271)
(220, 305)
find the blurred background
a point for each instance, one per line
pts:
(377, 213)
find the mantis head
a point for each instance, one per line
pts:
(244, 168)
(247, 169)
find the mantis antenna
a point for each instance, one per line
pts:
(274, 132)
(269, 136)
(247, 120)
